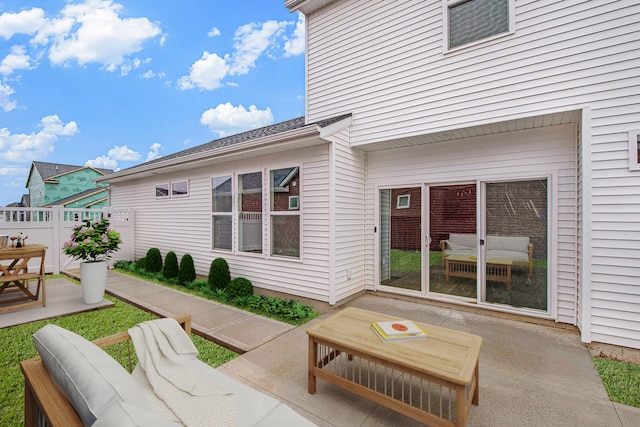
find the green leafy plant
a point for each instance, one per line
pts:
(154, 260)
(92, 241)
(219, 275)
(186, 270)
(239, 287)
(170, 269)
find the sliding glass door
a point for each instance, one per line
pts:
(516, 218)
(448, 240)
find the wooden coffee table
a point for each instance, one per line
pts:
(498, 269)
(433, 380)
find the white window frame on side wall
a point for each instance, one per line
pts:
(447, 5)
(634, 150)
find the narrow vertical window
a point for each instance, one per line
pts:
(634, 150)
(285, 212)
(250, 212)
(221, 213)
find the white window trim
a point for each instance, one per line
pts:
(222, 213)
(168, 184)
(634, 145)
(445, 27)
(406, 197)
(294, 203)
(177, 196)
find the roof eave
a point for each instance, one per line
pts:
(305, 6)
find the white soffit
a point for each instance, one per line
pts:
(533, 122)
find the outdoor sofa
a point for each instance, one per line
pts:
(516, 248)
(75, 382)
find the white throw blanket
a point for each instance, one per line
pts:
(168, 358)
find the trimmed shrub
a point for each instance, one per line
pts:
(170, 269)
(240, 288)
(140, 264)
(186, 271)
(154, 260)
(219, 275)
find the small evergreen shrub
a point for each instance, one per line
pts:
(154, 260)
(240, 288)
(219, 275)
(170, 268)
(140, 264)
(186, 270)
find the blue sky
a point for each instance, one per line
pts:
(113, 84)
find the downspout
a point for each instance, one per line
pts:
(585, 303)
(332, 225)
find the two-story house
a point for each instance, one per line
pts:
(54, 184)
(481, 153)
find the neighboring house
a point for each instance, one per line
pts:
(508, 128)
(53, 184)
(23, 203)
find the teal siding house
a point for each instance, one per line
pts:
(54, 184)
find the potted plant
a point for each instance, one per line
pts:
(93, 243)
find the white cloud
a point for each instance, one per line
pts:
(226, 119)
(15, 147)
(296, 44)
(102, 36)
(16, 60)
(123, 153)
(102, 162)
(206, 73)
(251, 41)
(5, 92)
(23, 22)
(53, 125)
(154, 151)
(14, 171)
(132, 64)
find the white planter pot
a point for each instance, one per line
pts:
(93, 279)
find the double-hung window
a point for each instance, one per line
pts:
(250, 212)
(285, 212)
(468, 21)
(221, 212)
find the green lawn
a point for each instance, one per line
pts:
(17, 345)
(620, 379)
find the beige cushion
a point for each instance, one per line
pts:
(121, 414)
(89, 378)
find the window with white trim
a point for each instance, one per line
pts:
(180, 189)
(634, 150)
(285, 212)
(250, 212)
(221, 213)
(404, 201)
(469, 21)
(162, 190)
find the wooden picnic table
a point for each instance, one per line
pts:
(15, 277)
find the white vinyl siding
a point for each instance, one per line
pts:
(184, 225)
(384, 63)
(348, 212)
(534, 153)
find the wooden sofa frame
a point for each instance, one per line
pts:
(44, 404)
(529, 263)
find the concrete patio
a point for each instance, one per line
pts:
(530, 375)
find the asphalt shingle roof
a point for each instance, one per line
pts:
(48, 170)
(262, 132)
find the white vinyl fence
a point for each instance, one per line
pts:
(53, 226)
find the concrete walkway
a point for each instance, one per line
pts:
(235, 329)
(530, 375)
